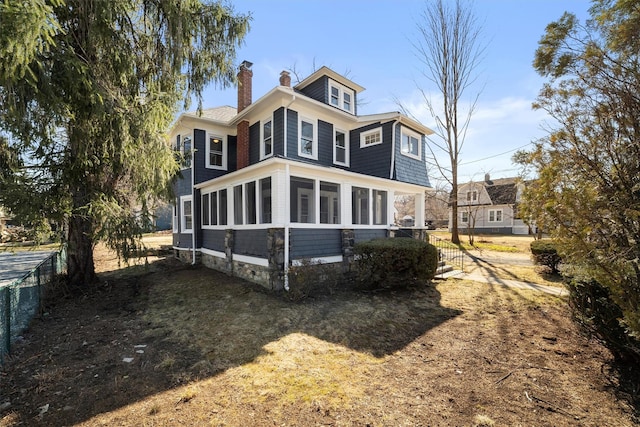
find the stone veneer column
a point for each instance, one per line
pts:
(228, 249)
(275, 247)
(348, 241)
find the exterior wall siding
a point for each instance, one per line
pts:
(408, 169)
(374, 160)
(314, 243)
(278, 132)
(254, 143)
(182, 240)
(183, 183)
(213, 239)
(317, 90)
(251, 243)
(292, 134)
(325, 143)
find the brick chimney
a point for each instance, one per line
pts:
(244, 85)
(245, 76)
(285, 79)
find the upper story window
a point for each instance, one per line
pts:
(411, 144)
(472, 196)
(266, 147)
(371, 137)
(183, 146)
(216, 152)
(340, 147)
(308, 140)
(341, 96)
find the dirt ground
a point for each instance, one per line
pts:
(164, 344)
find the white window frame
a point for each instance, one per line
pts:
(335, 146)
(314, 142)
(495, 213)
(211, 136)
(183, 217)
(364, 135)
(263, 153)
(343, 92)
(411, 134)
(186, 156)
(175, 215)
(464, 217)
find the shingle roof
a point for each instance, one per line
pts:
(219, 114)
(501, 191)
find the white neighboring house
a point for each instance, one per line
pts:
(490, 206)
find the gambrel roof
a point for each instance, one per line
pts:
(502, 191)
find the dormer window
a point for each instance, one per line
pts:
(371, 137)
(341, 96)
(411, 144)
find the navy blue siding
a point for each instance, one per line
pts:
(200, 157)
(183, 183)
(213, 239)
(376, 159)
(251, 243)
(309, 243)
(182, 240)
(292, 134)
(232, 157)
(408, 169)
(317, 90)
(278, 132)
(325, 143)
(363, 235)
(254, 143)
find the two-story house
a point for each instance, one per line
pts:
(490, 206)
(296, 175)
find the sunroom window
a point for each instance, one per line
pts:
(302, 202)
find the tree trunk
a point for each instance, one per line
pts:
(455, 238)
(80, 267)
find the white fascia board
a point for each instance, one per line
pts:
(395, 115)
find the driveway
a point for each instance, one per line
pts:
(15, 265)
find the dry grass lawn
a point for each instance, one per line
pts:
(208, 349)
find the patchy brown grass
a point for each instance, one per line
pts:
(218, 351)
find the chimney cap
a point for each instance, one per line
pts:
(246, 64)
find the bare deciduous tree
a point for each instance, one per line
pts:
(449, 49)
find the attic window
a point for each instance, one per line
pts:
(371, 137)
(341, 96)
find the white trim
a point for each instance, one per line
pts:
(211, 252)
(208, 165)
(319, 260)
(343, 92)
(314, 142)
(411, 134)
(178, 248)
(495, 215)
(251, 260)
(364, 135)
(263, 155)
(175, 214)
(187, 156)
(346, 146)
(183, 226)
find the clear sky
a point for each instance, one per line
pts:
(370, 42)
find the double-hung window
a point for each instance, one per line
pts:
(308, 141)
(495, 215)
(341, 147)
(266, 148)
(411, 143)
(464, 218)
(216, 152)
(183, 147)
(186, 203)
(341, 96)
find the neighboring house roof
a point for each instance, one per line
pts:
(502, 191)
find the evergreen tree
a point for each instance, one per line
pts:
(87, 92)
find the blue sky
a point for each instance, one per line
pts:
(370, 42)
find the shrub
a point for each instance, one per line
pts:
(312, 278)
(394, 263)
(595, 310)
(545, 253)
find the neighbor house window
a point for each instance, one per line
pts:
(302, 202)
(216, 152)
(187, 214)
(371, 137)
(266, 148)
(379, 207)
(472, 195)
(341, 96)
(495, 215)
(410, 143)
(329, 203)
(265, 201)
(359, 205)
(465, 217)
(341, 147)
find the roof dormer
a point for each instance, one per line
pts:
(331, 88)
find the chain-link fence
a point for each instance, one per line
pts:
(21, 300)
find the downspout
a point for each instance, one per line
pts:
(193, 202)
(287, 201)
(393, 147)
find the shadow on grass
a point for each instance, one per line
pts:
(183, 323)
